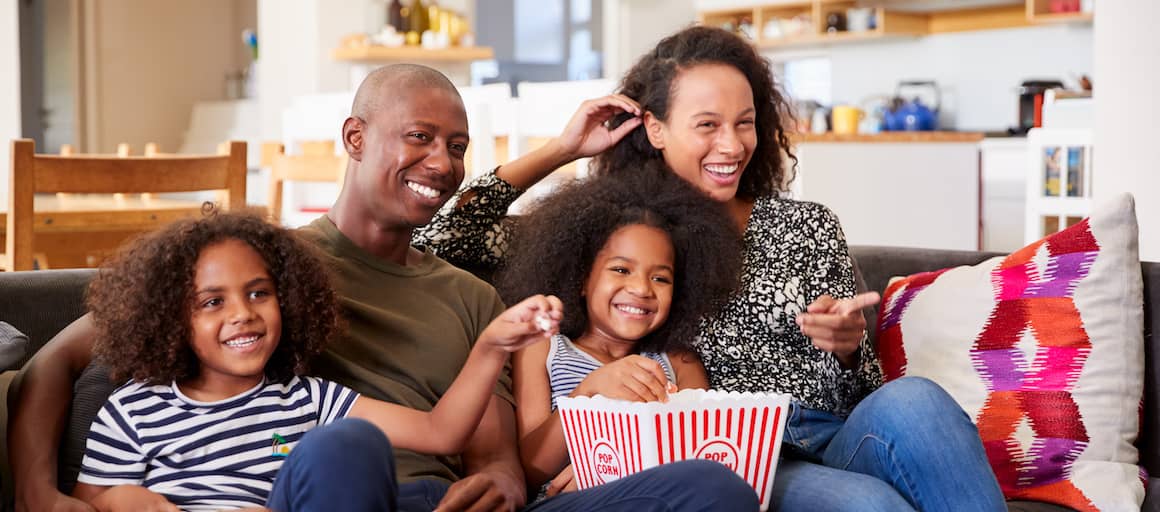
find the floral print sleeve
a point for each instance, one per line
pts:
(470, 231)
(794, 253)
(835, 264)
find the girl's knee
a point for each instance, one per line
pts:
(731, 491)
(346, 438)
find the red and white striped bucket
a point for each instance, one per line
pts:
(608, 439)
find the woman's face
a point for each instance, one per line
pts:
(710, 134)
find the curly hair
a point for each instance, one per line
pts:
(651, 83)
(555, 247)
(141, 300)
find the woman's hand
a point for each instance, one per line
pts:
(635, 378)
(837, 325)
(534, 319)
(564, 482)
(588, 133)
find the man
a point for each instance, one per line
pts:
(411, 321)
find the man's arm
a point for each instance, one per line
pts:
(494, 479)
(38, 417)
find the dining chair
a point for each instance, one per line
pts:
(318, 164)
(96, 219)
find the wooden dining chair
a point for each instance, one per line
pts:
(96, 220)
(318, 164)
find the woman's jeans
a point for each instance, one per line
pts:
(906, 446)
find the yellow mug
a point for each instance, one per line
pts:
(845, 119)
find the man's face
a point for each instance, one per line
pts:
(411, 158)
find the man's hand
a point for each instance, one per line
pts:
(837, 325)
(132, 498)
(484, 491)
(56, 502)
(564, 482)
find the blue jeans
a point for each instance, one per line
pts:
(906, 446)
(689, 485)
(692, 485)
(348, 463)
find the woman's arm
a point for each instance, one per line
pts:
(471, 233)
(446, 429)
(689, 370)
(543, 452)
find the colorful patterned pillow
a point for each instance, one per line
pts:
(1044, 350)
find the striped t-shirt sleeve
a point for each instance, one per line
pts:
(334, 400)
(112, 453)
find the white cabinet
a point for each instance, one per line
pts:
(1003, 162)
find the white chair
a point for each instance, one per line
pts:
(491, 120)
(544, 111)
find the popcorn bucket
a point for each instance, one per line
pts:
(609, 439)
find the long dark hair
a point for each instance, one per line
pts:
(650, 83)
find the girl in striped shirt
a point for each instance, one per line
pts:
(637, 261)
(215, 321)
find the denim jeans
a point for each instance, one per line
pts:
(348, 464)
(906, 446)
(689, 485)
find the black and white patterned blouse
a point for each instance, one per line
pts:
(794, 252)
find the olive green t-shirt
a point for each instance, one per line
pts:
(409, 331)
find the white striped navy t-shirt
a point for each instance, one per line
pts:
(206, 455)
(568, 365)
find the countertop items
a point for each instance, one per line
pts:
(890, 137)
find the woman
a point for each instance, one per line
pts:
(704, 102)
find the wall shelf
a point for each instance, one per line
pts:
(412, 54)
(802, 23)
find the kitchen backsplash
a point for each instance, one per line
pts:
(978, 72)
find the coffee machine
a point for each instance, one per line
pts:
(1031, 103)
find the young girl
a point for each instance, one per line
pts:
(215, 321)
(637, 263)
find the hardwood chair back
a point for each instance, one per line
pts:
(317, 163)
(32, 174)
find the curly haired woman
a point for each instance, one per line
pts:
(214, 321)
(704, 102)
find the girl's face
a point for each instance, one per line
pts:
(711, 133)
(235, 321)
(630, 288)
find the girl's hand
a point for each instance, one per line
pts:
(837, 325)
(564, 482)
(535, 319)
(132, 498)
(635, 378)
(588, 134)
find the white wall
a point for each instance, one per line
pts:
(633, 27)
(979, 72)
(9, 89)
(1127, 111)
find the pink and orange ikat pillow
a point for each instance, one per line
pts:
(1044, 350)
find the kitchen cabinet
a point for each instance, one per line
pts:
(455, 62)
(905, 190)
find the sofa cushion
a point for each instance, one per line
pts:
(1043, 349)
(13, 347)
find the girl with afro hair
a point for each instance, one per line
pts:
(636, 261)
(214, 321)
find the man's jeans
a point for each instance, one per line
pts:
(906, 446)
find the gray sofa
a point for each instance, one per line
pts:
(41, 303)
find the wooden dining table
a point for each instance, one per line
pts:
(81, 230)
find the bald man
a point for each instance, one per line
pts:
(412, 319)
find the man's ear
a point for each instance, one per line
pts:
(655, 130)
(352, 137)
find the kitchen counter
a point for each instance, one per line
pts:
(889, 137)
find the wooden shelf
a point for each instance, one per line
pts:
(412, 53)
(1061, 17)
(890, 23)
